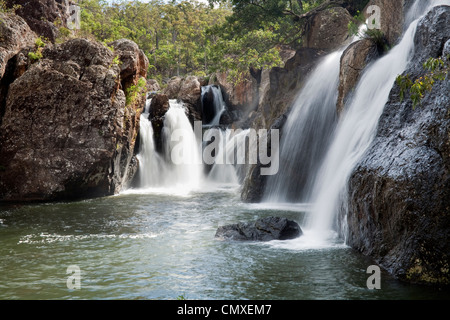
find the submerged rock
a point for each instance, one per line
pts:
(265, 229)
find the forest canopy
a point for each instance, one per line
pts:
(192, 37)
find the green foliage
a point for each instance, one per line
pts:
(438, 69)
(374, 35)
(132, 93)
(173, 34)
(37, 54)
(4, 8)
(354, 24)
(256, 49)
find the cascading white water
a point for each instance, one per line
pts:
(218, 104)
(356, 131)
(180, 167)
(306, 133)
(230, 157)
(352, 137)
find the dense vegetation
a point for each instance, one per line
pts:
(191, 37)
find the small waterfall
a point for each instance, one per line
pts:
(229, 165)
(213, 105)
(180, 166)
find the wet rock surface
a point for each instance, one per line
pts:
(265, 229)
(399, 194)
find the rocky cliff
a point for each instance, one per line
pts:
(66, 131)
(399, 194)
(43, 16)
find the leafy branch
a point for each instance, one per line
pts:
(438, 70)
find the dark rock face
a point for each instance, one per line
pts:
(399, 194)
(66, 132)
(208, 105)
(158, 108)
(265, 229)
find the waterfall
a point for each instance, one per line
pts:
(213, 105)
(357, 129)
(179, 168)
(318, 155)
(306, 134)
(229, 165)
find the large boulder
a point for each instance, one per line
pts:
(43, 16)
(15, 36)
(187, 90)
(265, 229)
(66, 132)
(133, 62)
(399, 193)
(329, 29)
(173, 87)
(353, 61)
(190, 90)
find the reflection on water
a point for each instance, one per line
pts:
(160, 246)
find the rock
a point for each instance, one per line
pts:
(329, 29)
(353, 61)
(265, 229)
(392, 15)
(173, 88)
(207, 101)
(190, 91)
(42, 15)
(134, 62)
(153, 85)
(187, 90)
(399, 193)
(15, 36)
(66, 133)
(158, 108)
